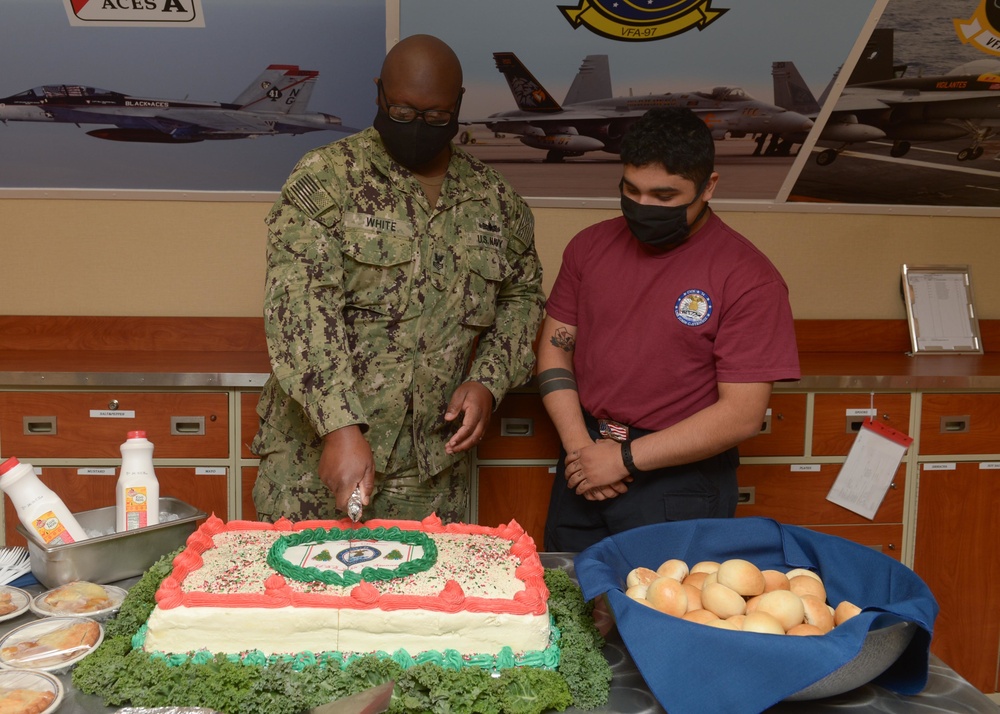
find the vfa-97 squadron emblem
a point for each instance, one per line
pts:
(983, 28)
(641, 20)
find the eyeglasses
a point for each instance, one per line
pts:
(404, 114)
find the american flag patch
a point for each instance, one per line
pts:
(612, 430)
(307, 192)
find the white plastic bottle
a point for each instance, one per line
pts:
(41, 511)
(138, 491)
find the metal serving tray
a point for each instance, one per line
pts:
(109, 558)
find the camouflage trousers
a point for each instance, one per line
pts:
(288, 485)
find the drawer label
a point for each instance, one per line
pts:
(112, 414)
(802, 468)
(210, 471)
(989, 465)
(940, 467)
(862, 412)
(95, 471)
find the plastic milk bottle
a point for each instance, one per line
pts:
(41, 511)
(138, 491)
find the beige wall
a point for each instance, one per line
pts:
(126, 257)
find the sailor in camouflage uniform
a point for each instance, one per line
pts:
(395, 308)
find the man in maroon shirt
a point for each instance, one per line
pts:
(665, 330)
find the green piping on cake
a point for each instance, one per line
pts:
(276, 555)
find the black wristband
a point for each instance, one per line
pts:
(627, 459)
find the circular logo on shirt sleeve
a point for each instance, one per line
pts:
(693, 308)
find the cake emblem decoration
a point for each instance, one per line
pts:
(354, 554)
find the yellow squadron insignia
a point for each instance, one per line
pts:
(983, 28)
(632, 21)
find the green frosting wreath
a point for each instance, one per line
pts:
(276, 555)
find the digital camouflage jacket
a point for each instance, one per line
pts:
(377, 303)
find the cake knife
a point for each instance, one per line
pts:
(368, 701)
(354, 504)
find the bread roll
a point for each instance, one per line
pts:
(667, 595)
(742, 576)
(844, 612)
(693, 596)
(784, 605)
(805, 629)
(801, 571)
(724, 602)
(805, 585)
(637, 592)
(640, 576)
(762, 622)
(705, 566)
(774, 580)
(723, 624)
(696, 579)
(701, 616)
(817, 613)
(673, 568)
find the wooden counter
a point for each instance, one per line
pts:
(231, 351)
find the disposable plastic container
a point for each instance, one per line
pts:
(40, 509)
(137, 495)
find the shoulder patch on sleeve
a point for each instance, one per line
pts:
(521, 226)
(309, 195)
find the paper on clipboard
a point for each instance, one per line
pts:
(870, 466)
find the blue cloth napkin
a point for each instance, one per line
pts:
(692, 668)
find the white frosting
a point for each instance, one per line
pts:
(291, 630)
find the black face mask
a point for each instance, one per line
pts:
(661, 227)
(415, 143)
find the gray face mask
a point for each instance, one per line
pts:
(415, 143)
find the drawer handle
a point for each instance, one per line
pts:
(854, 425)
(746, 496)
(187, 426)
(955, 424)
(517, 427)
(765, 427)
(35, 425)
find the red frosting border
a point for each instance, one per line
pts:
(533, 600)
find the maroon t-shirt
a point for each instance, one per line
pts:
(657, 331)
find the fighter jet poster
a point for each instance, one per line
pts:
(552, 84)
(916, 123)
(229, 106)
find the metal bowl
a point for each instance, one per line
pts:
(882, 647)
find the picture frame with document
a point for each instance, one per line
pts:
(940, 309)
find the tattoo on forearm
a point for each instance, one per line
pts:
(553, 380)
(563, 340)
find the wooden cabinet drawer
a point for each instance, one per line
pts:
(249, 422)
(83, 489)
(799, 497)
(783, 432)
(960, 424)
(519, 493)
(520, 429)
(837, 418)
(956, 555)
(91, 425)
(886, 538)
